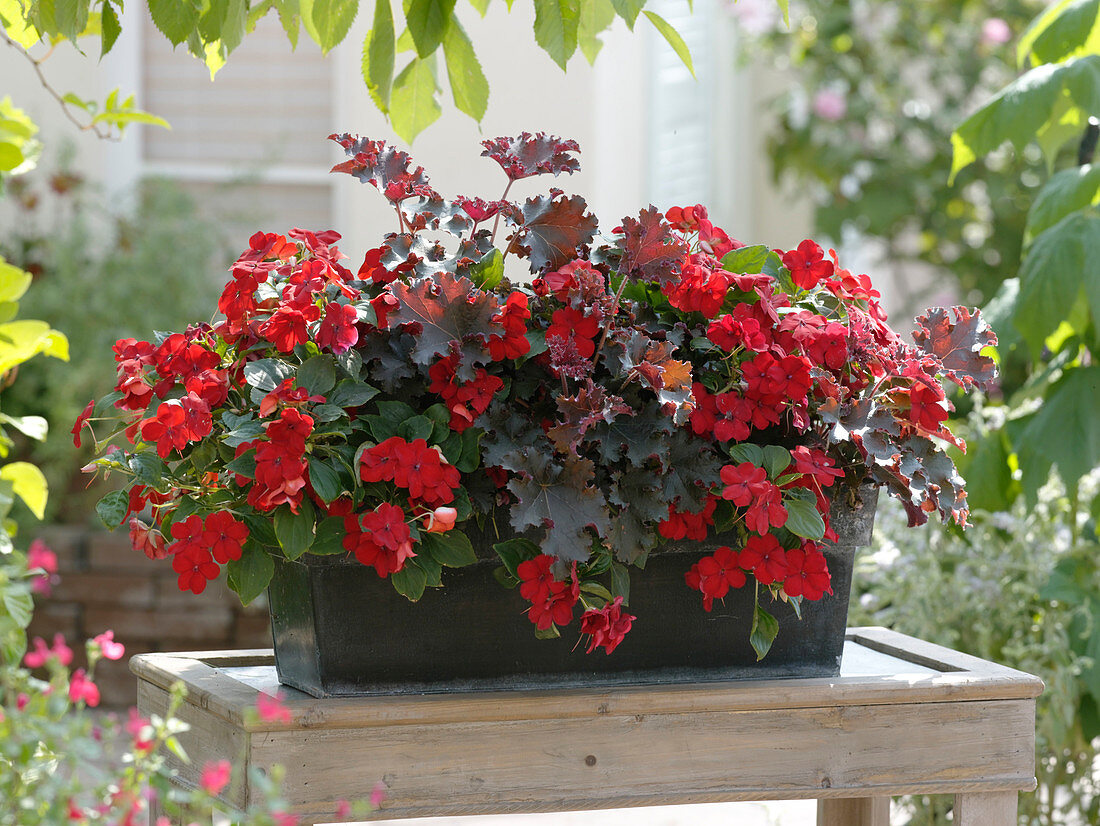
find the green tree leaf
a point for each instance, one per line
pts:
(1060, 264)
(1067, 191)
(328, 21)
(596, 17)
(295, 530)
(29, 484)
(250, 574)
(109, 29)
(71, 17)
(673, 37)
(1023, 108)
(290, 17)
(317, 375)
(174, 19)
(556, 25)
(325, 481)
(469, 88)
(413, 107)
(628, 10)
(428, 22)
(1067, 29)
(1063, 433)
(378, 56)
(802, 517)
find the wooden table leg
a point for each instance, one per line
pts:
(854, 811)
(986, 809)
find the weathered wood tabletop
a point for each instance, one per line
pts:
(904, 717)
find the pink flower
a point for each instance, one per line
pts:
(995, 32)
(271, 709)
(21, 701)
(830, 105)
(378, 794)
(215, 777)
(141, 730)
(343, 810)
(42, 653)
(81, 689)
(39, 555)
(110, 649)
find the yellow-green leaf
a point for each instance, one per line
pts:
(413, 106)
(469, 88)
(29, 484)
(596, 17)
(673, 37)
(16, 26)
(556, 24)
(13, 281)
(428, 22)
(379, 55)
(22, 340)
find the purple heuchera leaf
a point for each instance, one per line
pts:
(958, 344)
(526, 155)
(650, 250)
(553, 230)
(383, 166)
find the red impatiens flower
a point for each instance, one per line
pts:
(224, 536)
(147, 540)
(575, 325)
(807, 573)
(552, 600)
(766, 510)
(688, 525)
(765, 557)
(338, 333)
(807, 265)
(607, 626)
(195, 568)
(169, 429)
(288, 326)
(379, 538)
(81, 421)
(743, 483)
(714, 575)
(927, 408)
(513, 317)
(816, 464)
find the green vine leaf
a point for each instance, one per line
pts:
(556, 25)
(413, 107)
(596, 17)
(1066, 192)
(1067, 29)
(469, 88)
(673, 37)
(379, 56)
(328, 21)
(429, 21)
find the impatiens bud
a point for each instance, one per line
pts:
(441, 520)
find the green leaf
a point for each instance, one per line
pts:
(452, 548)
(266, 374)
(250, 574)
(13, 281)
(174, 19)
(556, 24)
(29, 484)
(1064, 432)
(112, 508)
(294, 530)
(785, 7)
(428, 22)
(317, 375)
(324, 479)
(109, 29)
(71, 17)
(551, 633)
(596, 17)
(765, 627)
(328, 21)
(469, 88)
(482, 6)
(410, 582)
(1066, 192)
(673, 37)
(379, 56)
(803, 519)
(628, 10)
(620, 582)
(329, 539)
(748, 260)
(413, 107)
(514, 551)
(597, 591)
(351, 393)
(290, 17)
(1060, 264)
(776, 460)
(33, 427)
(418, 427)
(1068, 29)
(1023, 108)
(489, 271)
(747, 452)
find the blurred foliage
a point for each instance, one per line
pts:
(877, 88)
(100, 274)
(1018, 588)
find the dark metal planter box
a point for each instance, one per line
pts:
(341, 630)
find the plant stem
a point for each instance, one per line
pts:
(496, 221)
(610, 318)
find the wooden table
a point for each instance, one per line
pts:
(904, 717)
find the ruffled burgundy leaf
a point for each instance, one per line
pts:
(590, 406)
(958, 342)
(526, 155)
(553, 232)
(651, 252)
(388, 169)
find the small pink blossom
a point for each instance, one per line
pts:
(378, 794)
(141, 730)
(215, 777)
(271, 708)
(995, 32)
(110, 649)
(42, 653)
(830, 105)
(343, 810)
(81, 689)
(39, 555)
(284, 819)
(21, 701)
